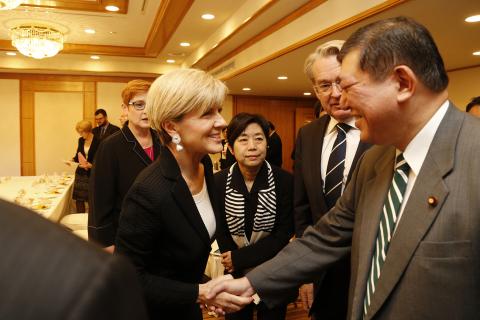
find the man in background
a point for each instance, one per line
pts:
(103, 128)
(274, 151)
(474, 107)
(326, 153)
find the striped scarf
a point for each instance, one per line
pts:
(264, 219)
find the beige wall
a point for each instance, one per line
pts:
(10, 127)
(56, 115)
(464, 85)
(109, 98)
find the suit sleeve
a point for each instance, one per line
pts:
(301, 207)
(307, 258)
(112, 293)
(139, 228)
(268, 247)
(103, 183)
(79, 149)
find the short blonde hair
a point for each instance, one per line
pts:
(179, 92)
(84, 125)
(330, 48)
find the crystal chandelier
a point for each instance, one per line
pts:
(37, 41)
(9, 4)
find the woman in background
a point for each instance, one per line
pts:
(168, 218)
(257, 202)
(119, 160)
(86, 149)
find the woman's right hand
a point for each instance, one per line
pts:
(227, 261)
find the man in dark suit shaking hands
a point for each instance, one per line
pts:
(326, 153)
(410, 216)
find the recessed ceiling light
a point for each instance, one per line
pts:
(282, 77)
(170, 61)
(185, 44)
(246, 89)
(112, 32)
(307, 93)
(208, 16)
(112, 8)
(95, 57)
(472, 19)
(476, 53)
(10, 53)
(89, 31)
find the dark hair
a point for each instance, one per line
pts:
(240, 122)
(475, 102)
(397, 41)
(271, 125)
(101, 111)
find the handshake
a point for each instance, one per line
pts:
(225, 294)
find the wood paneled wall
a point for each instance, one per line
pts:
(284, 113)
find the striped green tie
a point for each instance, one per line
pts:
(388, 220)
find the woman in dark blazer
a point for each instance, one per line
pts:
(168, 218)
(87, 147)
(119, 160)
(257, 206)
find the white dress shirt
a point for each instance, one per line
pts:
(204, 206)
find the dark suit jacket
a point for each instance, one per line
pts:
(111, 129)
(119, 160)
(274, 151)
(163, 235)
(331, 291)
(49, 273)
(91, 153)
(266, 248)
(431, 269)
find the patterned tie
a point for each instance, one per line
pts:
(336, 166)
(102, 131)
(388, 220)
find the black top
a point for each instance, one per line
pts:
(111, 129)
(91, 153)
(268, 247)
(162, 233)
(274, 151)
(119, 160)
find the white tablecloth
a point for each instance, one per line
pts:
(48, 195)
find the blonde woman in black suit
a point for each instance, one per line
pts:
(168, 219)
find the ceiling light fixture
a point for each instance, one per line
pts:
(307, 93)
(246, 89)
(95, 57)
(170, 61)
(282, 77)
(476, 53)
(112, 8)
(208, 16)
(37, 41)
(90, 31)
(10, 53)
(185, 44)
(9, 4)
(473, 19)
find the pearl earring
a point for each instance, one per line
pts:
(176, 140)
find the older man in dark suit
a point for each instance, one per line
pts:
(49, 273)
(409, 218)
(326, 152)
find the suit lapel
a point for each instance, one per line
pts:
(317, 155)
(418, 215)
(135, 145)
(182, 195)
(362, 147)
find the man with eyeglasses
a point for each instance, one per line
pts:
(327, 150)
(103, 128)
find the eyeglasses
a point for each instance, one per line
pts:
(138, 105)
(327, 87)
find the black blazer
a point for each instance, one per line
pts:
(162, 233)
(331, 295)
(91, 153)
(111, 129)
(274, 151)
(49, 273)
(266, 248)
(119, 160)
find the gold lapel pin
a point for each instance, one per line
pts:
(432, 201)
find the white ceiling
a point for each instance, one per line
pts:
(122, 39)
